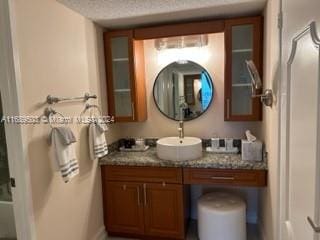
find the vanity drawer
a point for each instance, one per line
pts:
(142, 174)
(235, 177)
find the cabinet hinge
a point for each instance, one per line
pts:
(280, 20)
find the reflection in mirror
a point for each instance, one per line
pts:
(183, 90)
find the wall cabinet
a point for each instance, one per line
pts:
(125, 77)
(151, 204)
(243, 41)
(126, 70)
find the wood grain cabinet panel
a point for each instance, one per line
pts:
(164, 210)
(179, 29)
(124, 209)
(243, 41)
(143, 174)
(125, 76)
(144, 202)
(231, 177)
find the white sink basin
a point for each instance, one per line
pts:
(179, 149)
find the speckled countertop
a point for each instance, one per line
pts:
(209, 160)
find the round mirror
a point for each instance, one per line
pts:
(183, 90)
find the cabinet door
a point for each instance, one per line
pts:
(124, 211)
(164, 211)
(243, 41)
(120, 74)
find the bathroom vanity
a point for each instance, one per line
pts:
(148, 198)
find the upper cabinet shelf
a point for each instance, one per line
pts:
(245, 50)
(125, 77)
(120, 59)
(243, 41)
(241, 85)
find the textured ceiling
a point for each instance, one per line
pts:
(127, 13)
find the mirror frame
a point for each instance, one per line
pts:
(185, 120)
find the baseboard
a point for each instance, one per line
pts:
(101, 234)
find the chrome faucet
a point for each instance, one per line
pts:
(181, 129)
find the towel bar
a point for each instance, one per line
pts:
(51, 99)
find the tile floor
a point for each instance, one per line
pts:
(252, 231)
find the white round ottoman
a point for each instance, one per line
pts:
(221, 216)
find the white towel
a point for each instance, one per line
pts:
(97, 140)
(63, 153)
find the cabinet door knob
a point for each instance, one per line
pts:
(124, 187)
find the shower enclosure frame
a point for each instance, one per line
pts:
(10, 87)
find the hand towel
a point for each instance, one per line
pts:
(66, 134)
(97, 140)
(62, 148)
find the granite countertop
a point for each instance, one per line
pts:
(208, 160)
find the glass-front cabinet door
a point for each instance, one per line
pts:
(123, 82)
(119, 68)
(121, 77)
(243, 39)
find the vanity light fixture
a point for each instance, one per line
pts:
(267, 96)
(182, 61)
(181, 42)
(182, 48)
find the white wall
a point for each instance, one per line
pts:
(60, 52)
(269, 198)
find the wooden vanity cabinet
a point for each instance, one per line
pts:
(124, 207)
(228, 177)
(145, 202)
(125, 76)
(164, 210)
(243, 41)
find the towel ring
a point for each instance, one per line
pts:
(49, 119)
(88, 106)
(48, 112)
